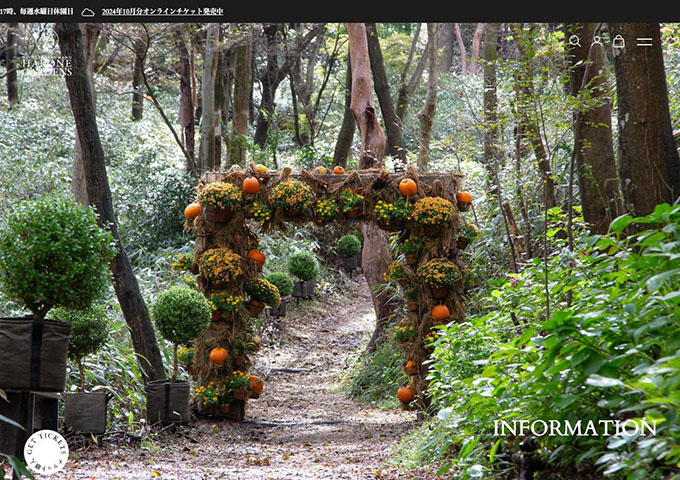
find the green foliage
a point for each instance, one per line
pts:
(90, 329)
(348, 245)
(609, 350)
(311, 156)
(181, 314)
(303, 265)
(282, 281)
(376, 378)
(53, 253)
(156, 218)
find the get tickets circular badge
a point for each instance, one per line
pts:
(46, 452)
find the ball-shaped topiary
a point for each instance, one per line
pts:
(348, 245)
(181, 314)
(303, 265)
(53, 253)
(282, 281)
(89, 333)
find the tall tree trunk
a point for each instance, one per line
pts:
(138, 80)
(11, 64)
(362, 106)
(476, 43)
(78, 180)
(446, 38)
(228, 114)
(220, 105)
(490, 106)
(270, 80)
(426, 115)
(649, 167)
(407, 89)
(463, 51)
(527, 113)
(303, 88)
(206, 148)
(275, 74)
(376, 252)
(593, 144)
(395, 142)
(186, 104)
(519, 189)
(343, 145)
(99, 193)
(242, 86)
(297, 135)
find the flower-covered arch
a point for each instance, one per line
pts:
(421, 209)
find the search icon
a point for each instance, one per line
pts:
(574, 40)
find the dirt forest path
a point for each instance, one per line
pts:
(301, 427)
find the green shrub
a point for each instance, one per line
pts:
(282, 281)
(609, 350)
(303, 265)
(53, 253)
(89, 333)
(159, 223)
(263, 291)
(348, 245)
(181, 314)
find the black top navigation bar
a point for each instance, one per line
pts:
(128, 11)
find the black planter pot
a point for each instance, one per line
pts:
(86, 412)
(350, 263)
(33, 354)
(167, 402)
(32, 410)
(279, 311)
(303, 289)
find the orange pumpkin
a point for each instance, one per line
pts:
(338, 170)
(192, 210)
(406, 394)
(251, 185)
(408, 187)
(440, 312)
(256, 383)
(218, 355)
(463, 197)
(257, 256)
(411, 365)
